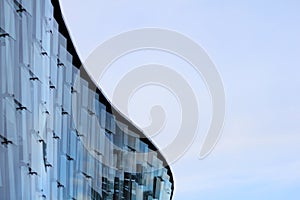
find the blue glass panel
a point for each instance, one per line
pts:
(27, 5)
(67, 98)
(37, 20)
(110, 125)
(63, 170)
(54, 40)
(26, 31)
(7, 59)
(26, 86)
(10, 120)
(8, 18)
(60, 80)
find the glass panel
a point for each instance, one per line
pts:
(2, 66)
(59, 94)
(139, 192)
(17, 85)
(23, 118)
(7, 21)
(158, 187)
(102, 111)
(10, 121)
(67, 99)
(46, 36)
(48, 9)
(37, 62)
(68, 66)
(98, 175)
(84, 93)
(63, 170)
(91, 101)
(132, 141)
(75, 77)
(165, 175)
(37, 18)
(58, 123)
(99, 149)
(90, 173)
(73, 146)
(53, 73)
(45, 80)
(26, 40)
(7, 59)
(36, 102)
(26, 4)
(79, 186)
(108, 158)
(71, 178)
(36, 157)
(93, 136)
(64, 135)
(42, 121)
(62, 52)
(50, 121)
(54, 40)
(50, 149)
(26, 87)
(83, 123)
(54, 189)
(110, 123)
(119, 137)
(25, 179)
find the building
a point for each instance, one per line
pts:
(60, 137)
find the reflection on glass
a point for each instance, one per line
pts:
(58, 139)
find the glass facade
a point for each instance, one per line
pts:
(60, 138)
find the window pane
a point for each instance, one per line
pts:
(7, 21)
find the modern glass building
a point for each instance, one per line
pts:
(60, 137)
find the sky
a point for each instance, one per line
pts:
(255, 46)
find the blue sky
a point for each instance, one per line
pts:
(256, 48)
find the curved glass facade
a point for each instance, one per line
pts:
(60, 137)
